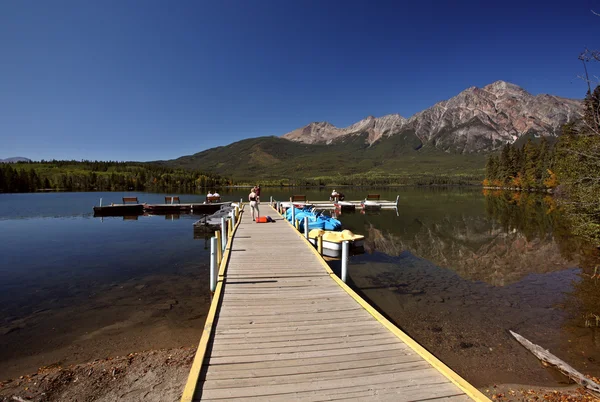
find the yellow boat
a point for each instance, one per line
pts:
(332, 241)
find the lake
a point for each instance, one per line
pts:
(453, 267)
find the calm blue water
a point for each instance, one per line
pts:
(448, 261)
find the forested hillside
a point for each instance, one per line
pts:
(400, 159)
(100, 176)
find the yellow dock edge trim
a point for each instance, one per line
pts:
(194, 376)
(450, 374)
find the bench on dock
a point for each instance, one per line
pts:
(212, 199)
(172, 200)
(130, 199)
(298, 198)
(373, 197)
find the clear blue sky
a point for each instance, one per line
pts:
(146, 80)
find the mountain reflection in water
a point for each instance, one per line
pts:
(519, 236)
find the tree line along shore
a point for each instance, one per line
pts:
(25, 177)
(570, 167)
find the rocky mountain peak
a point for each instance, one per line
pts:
(503, 88)
(324, 132)
(477, 119)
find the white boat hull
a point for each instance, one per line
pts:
(334, 249)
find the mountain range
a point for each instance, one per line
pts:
(15, 160)
(477, 119)
(451, 138)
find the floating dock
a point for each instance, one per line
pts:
(345, 205)
(157, 209)
(283, 326)
(119, 210)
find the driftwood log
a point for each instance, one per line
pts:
(547, 357)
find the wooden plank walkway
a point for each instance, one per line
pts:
(282, 326)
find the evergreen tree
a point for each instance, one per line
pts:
(591, 114)
(577, 165)
(504, 165)
(491, 168)
(531, 155)
(543, 166)
(2, 180)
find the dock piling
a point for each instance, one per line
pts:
(320, 244)
(224, 233)
(293, 211)
(229, 228)
(213, 263)
(345, 249)
(100, 201)
(297, 224)
(306, 227)
(233, 218)
(219, 251)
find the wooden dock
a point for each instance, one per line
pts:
(383, 204)
(283, 326)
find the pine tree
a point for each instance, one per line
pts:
(2, 180)
(531, 160)
(591, 114)
(504, 169)
(491, 168)
(543, 165)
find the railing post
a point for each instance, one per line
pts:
(241, 201)
(306, 227)
(345, 248)
(229, 228)
(297, 224)
(219, 250)
(293, 213)
(100, 201)
(271, 200)
(224, 233)
(320, 244)
(214, 245)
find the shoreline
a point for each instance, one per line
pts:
(160, 375)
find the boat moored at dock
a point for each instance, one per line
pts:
(332, 241)
(185, 208)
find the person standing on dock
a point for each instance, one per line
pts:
(254, 200)
(334, 196)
